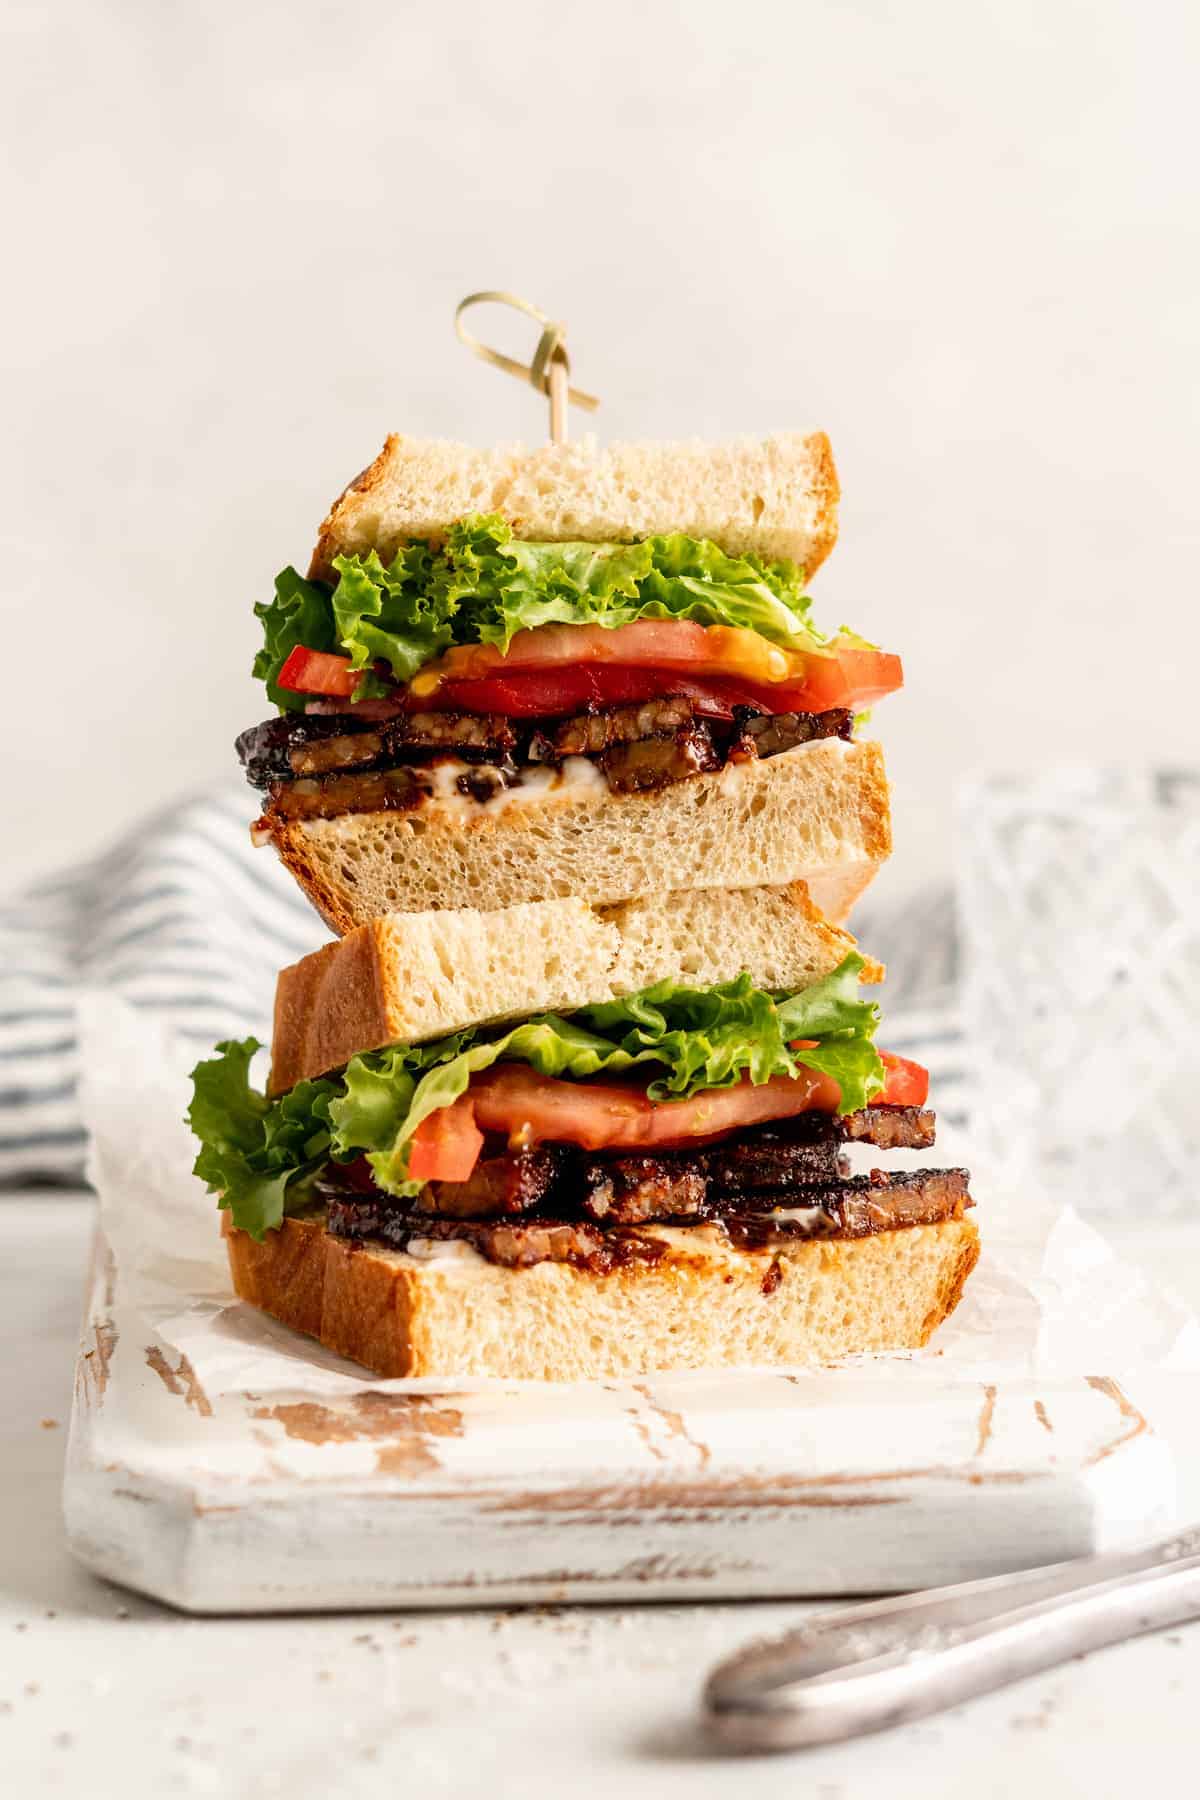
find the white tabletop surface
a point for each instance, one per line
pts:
(102, 1693)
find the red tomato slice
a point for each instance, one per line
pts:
(560, 668)
(906, 1083)
(547, 693)
(653, 643)
(317, 672)
(531, 1108)
(658, 643)
(446, 1145)
(849, 677)
(554, 692)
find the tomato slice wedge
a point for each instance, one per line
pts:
(559, 669)
(446, 1145)
(849, 677)
(906, 1082)
(532, 1108)
(515, 1101)
(651, 643)
(552, 692)
(529, 1108)
(318, 672)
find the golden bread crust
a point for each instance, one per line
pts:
(325, 1003)
(401, 1316)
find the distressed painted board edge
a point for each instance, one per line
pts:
(745, 1485)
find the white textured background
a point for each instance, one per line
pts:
(962, 237)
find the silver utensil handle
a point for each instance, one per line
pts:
(864, 1668)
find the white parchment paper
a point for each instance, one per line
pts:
(1049, 1298)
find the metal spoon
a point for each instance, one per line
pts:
(866, 1667)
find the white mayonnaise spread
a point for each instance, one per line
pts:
(695, 1240)
(442, 1250)
(706, 1241)
(577, 779)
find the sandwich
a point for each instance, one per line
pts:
(564, 1140)
(510, 676)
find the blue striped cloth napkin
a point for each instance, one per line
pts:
(185, 918)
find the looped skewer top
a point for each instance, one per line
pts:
(550, 368)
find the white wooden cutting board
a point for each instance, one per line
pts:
(734, 1485)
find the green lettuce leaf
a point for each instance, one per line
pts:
(552, 1046)
(394, 614)
(831, 1006)
(260, 1154)
(484, 585)
(300, 613)
(256, 1153)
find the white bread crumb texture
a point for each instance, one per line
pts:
(818, 814)
(775, 497)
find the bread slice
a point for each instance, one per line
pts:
(408, 976)
(775, 496)
(818, 814)
(699, 1306)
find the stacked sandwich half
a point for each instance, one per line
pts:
(587, 1084)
